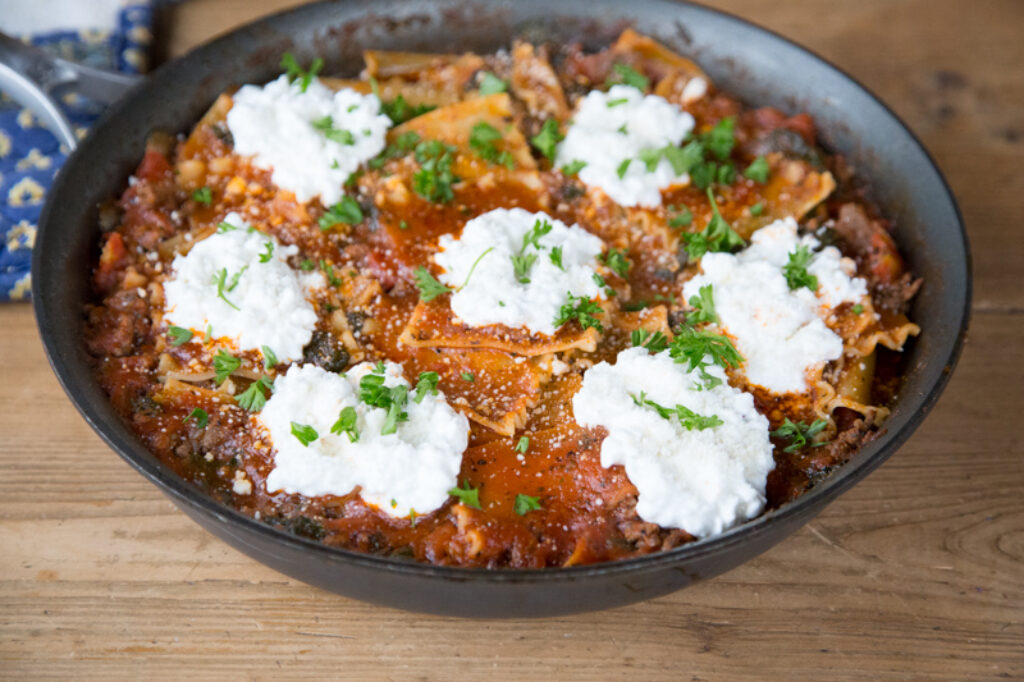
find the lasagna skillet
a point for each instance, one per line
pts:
(537, 308)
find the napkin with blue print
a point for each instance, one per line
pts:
(106, 34)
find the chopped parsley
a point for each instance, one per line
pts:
(525, 504)
(600, 281)
(220, 280)
(758, 170)
(325, 125)
(800, 434)
(523, 445)
(306, 434)
(468, 376)
(200, 417)
(556, 257)
(346, 211)
(623, 167)
(547, 139)
(581, 309)
(472, 268)
(373, 392)
(627, 75)
(209, 334)
(686, 417)
(693, 347)
(399, 110)
(721, 139)
(796, 270)
(428, 285)
(616, 102)
(346, 424)
(523, 262)
(467, 496)
(682, 159)
(223, 227)
(654, 342)
(703, 307)
(224, 363)
(682, 218)
(426, 384)
(616, 260)
(203, 195)
(296, 72)
(179, 335)
(403, 145)
(482, 139)
(491, 84)
(574, 167)
(757, 209)
(332, 279)
(858, 309)
(269, 358)
(433, 181)
(254, 398)
(717, 235)
(268, 252)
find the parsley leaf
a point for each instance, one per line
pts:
(682, 218)
(224, 364)
(757, 209)
(332, 279)
(616, 260)
(482, 138)
(468, 376)
(547, 139)
(268, 252)
(581, 309)
(623, 167)
(403, 144)
(491, 84)
(523, 262)
(373, 392)
(467, 496)
(346, 424)
(399, 110)
(693, 347)
(346, 211)
(472, 268)
(220, 280)
(521, 265)
(523, 445)
(704, 306)
(428, 285)
(307, 265)
(224, 226)
(253, 398)
(627, 75)
(686, 417)
(433, 181)
(269, 359)
(717, 235)
(720, 139)
(325, 125)
(857, 309)
(525, 504)
(796, 270)
(199, 415)
(203, 195)
(654, 342)
(296, 72)
(305, 433)
(556, 257)
(426, 384)
(179, 335)
(799, 433)
(758, 170)
(574, 167)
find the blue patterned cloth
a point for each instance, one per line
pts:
(30, 155)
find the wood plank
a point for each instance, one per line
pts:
(914, 572)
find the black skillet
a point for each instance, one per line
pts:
(757, 65)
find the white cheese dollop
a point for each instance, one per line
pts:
(606, 136)
(780, 332)
(274, 124)
(702, 481)
(270, 299)
(493, 294)
(409, 470)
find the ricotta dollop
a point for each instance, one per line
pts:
(702, 481)
(267, 302)
(611, 128)
(780, 332)
(408, 471)
(493, 294)
(274, 123)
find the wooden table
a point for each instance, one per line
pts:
(916, 573)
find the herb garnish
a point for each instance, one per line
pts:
(574, 167)
(346, 211)
(654, 342)
(225, 226)
(373, 392)
(717, 235)
(426, 384)
(682, 218)
(758, 170)
(203, 195)
(627, 75)
(482, 138)
(294, 71)
(704, 307)
(582, 309)
(796, 270)
(428, 285)
(623, 167)
(332, 279)
(224, 363)
(468, 376)
(547, 139)
(693, 347)
(525, 504)
(325, 125)
(757, 209)
(467, 496)
(616, 102)
(687, 418)
(491, 84)
(179, 335)
(857, 309)
(403, 144)
(799, 433)
(433, 181)
(268, 252)
(523, 445)
(523, 262)
(220, 280)
(199, 415)
(305, 433)
(346, 424)
(472, 268)
(253, 398)
(269, 358)
(616, 260)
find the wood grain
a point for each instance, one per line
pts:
(917, 573)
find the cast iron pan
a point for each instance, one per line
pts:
(751, 62)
